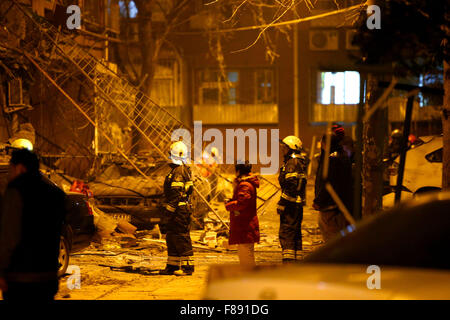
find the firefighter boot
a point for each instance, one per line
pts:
(173, 265)
(187, 267)
(169, 270)
(288, 255)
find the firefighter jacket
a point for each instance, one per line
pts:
(292, 179)
(178, 186)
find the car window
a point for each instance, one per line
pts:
(435, 156)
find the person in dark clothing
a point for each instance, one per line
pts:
(178, 186)
(331, 219)
(292, 181)
(31, 219)
(349, 148)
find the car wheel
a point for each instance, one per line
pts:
(63, 259)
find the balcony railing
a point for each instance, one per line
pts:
(334, 113)
(237, 114)
(397, 109)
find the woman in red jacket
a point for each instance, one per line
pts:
(244, 225)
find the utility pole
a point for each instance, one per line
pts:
(404, 145)
(296, 105)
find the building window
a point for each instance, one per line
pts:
(338, 88)
(218, 89)
(337, 97)
(236, 96)
(132, 9)
(429, 80)
(264, 88)
(165, 86)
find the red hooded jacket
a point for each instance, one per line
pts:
(244, 224)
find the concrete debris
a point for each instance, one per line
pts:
(126, 227)
(103, 253)
(105, 224)
(133, 269)
(113, 234)
(155, 233)
(210, 239)
(128, 242)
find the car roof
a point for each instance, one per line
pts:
(414, 234)
(430, 142)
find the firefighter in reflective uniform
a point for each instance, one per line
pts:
(292, 181)
(178, 186)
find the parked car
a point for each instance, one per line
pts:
(409, 244)
(121, 193)
(131, 198)
(423, 166)
(78, 229)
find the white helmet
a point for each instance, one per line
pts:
(22, 144)
(214, 152)
(293, 143)
(178, 153)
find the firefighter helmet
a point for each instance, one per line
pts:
(396, 134)
(293, 143)
(22, 144)
(338, 130)
(178, 152)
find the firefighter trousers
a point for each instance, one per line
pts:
(290, 234)
(178, 240)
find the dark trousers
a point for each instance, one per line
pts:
(32, 291)
(179, 244)
(178, 240)
(291, 230)
(331, 222)
(179, 252)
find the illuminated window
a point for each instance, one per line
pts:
(338, 87)
(132, 9)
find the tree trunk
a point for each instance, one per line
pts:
(147, 43)
(374, 135)
(146, 47)
(446, 129)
